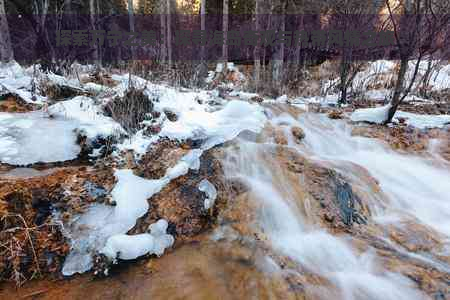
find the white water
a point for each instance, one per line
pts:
(415, 187)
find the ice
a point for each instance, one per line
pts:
(29, 138)
(91, 230)
(33, 137)
(423, 121)
(87, 115)
(104, 226)
(210, 191)
(130, 194)
(133, 246)
(377, 115)
(14, 79)
(198, 120)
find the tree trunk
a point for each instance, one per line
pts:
(93, 15)
(131, 22)
(6, 51)
(277, 71)
(225, 31)
(203, 25)
(397, 97)
(68, 6)
(169, 32)
(257, 50)
(162, 10)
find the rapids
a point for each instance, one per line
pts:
(412, 188)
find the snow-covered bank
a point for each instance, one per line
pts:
(103, 228)
(38, 136)
(32, 137)
(379, 115)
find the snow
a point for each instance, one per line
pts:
(104, 227)
(197, 119)
(210, 191)
(33, 137)
(93, 229)
(423, 121)
(87, 115)
(29, 138)
(378, 115)
(130, 194)
(14, 79)
(133, 246)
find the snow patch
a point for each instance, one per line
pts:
(210, 191)
(88, 116)
(377, 115)
(133, 246)
(29, 138)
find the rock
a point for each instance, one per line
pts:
(171, 116)
(279, 137)
(335, 114)
(152, 130)
(12, 103)
(161, 156)
(181, 202)
(30, 202)
(60, 91)
(298, 133)
(257, 99)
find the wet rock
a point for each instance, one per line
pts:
(27, 207)
(346, 200)
(257, 99)
(171, 116)
(161, 156)
(100, 77)
(415, 237)
(335, 114)
(298, 133)
(279, 137)
(60, 91)
(398, 137)
(152, 130)
(336, 202)
(182, 203)
(12, 103)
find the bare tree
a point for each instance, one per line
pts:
(225, 30)
(169, 32)
(203, 25)
(416, 31)
(93, 15)
(347, 15)
(131, 23)
(6, 51)
(257, 50)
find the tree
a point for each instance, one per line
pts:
(131, 23)
(257, 50)
(347, 15)
(225, 31)
(93, 15)
(6, 51)
(416, 31)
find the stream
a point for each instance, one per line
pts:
(414, 188)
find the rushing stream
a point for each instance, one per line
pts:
(415, 187)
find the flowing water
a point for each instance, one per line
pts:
(415, 188)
